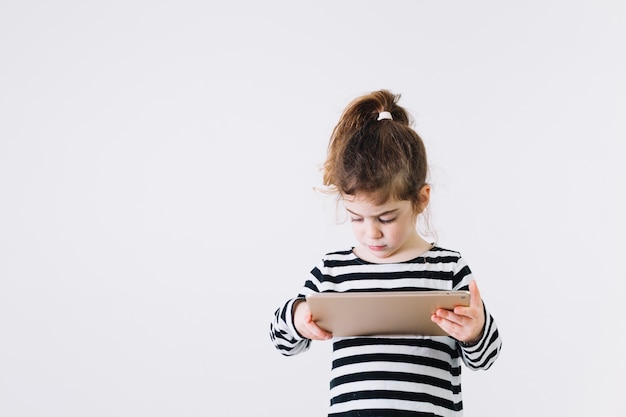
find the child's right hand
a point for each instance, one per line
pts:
(303, 321)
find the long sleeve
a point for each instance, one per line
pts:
(283, 333)
(482, 354)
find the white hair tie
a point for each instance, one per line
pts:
(384, 115)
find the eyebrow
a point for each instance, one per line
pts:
(376, 215)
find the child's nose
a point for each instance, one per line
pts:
(373, 231)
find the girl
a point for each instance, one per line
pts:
(376, 164)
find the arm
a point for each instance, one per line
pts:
(304, 324)
(465, 324)
(283, 332)
(293, 328)
(483, 353)
(473, 327)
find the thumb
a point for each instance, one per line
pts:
(475, 299)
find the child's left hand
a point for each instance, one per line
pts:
(464, 323)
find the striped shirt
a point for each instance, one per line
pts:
(392, 376)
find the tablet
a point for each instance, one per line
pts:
(382, 313)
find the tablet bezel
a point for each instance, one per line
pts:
(372, 313)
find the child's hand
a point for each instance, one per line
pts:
(305, 325)
(464, 323)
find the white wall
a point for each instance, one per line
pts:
(157, 160)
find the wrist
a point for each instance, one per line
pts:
(471, 342)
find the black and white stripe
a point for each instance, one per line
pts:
(388, 376)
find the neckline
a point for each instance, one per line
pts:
(433, 245)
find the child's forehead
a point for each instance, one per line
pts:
(367, 204)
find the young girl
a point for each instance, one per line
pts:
(376, 164)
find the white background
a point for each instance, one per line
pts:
(157, 165)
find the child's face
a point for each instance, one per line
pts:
(386, 232)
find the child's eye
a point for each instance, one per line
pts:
(386, 221)
(355, 219)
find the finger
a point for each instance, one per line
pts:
(449, 316)
(458, 325)
(475, 300)
(474, 310)
(463, 330)
(308, 318)
(317, 332)
(449, 326)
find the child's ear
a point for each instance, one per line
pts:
(424, 197)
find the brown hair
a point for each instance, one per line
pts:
(385, 159)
